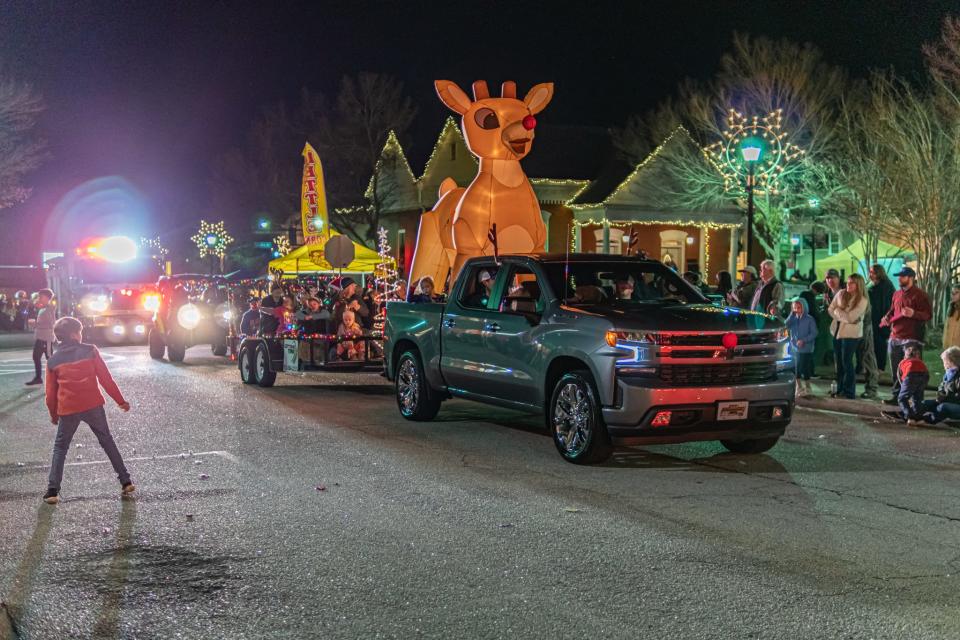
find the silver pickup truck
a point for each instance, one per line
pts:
(612, 349)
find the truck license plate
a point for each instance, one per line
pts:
(732, 410)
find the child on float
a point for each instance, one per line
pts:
(349, 349)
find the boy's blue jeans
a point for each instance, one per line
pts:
(96, 419)
(940, 411)
(910, 397)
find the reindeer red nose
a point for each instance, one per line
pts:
(529, 123)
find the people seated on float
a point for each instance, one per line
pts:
(425, 291)
(349, 328)
(250, 321)
(482, 289)
(275, 299)
(313, 318)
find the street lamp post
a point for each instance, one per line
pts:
(752, 150)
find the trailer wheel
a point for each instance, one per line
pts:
(157, 345)
(261, 369)
(176, 349)
(245, 362)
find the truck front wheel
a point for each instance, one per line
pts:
(176, 349)
(576, 421)
(758, 445)
(416, 400)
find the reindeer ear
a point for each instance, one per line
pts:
(452, 96)
(539, 97)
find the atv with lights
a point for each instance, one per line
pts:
(192, 309)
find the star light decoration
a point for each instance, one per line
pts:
(281, 245)
(727, 155)
(157, 251)
(212, 239)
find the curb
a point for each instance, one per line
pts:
(866, 409)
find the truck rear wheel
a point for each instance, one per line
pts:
(576, 421)
(758, 445)
(415, 399)
(261, 367)
(155, 340)
(245, 363)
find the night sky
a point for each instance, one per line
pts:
(145, 96)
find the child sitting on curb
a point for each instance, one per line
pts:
(947, 404)
(914, 376)
(803, 337)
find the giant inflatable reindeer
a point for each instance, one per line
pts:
(499, 131)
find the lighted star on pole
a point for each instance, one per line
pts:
(759, 141)
(212, 239)
(281, 245)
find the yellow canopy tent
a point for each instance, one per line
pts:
(309, 258)
(851, 259)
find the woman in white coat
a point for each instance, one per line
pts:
(847, 309)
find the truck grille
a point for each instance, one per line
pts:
(713, 339)
(685, 375)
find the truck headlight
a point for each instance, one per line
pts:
(98, 304)
(188, 316)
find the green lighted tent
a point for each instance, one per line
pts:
(851, 259)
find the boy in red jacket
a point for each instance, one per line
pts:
(73, 396)
(914, 376)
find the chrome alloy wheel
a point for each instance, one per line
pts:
(408, 386)
(572, 419)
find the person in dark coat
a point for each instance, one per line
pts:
(250, 321)
(881, 297)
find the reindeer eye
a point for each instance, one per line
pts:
(486, 118)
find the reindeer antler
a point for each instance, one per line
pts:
(480, 90)
(508, 89)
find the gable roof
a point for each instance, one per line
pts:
(654, 182)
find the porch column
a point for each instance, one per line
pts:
(734, 251)
(546, 223)
(702, 258)
(606, 236)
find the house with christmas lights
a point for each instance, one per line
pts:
(590, 198)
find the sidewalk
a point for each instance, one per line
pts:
(16, 340)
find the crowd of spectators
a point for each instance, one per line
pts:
(16, 311)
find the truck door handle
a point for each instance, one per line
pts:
(449, 323)
(491, 326)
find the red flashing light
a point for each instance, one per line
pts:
(729, 340)
(662, 419)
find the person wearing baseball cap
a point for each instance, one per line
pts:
(742, 295)
(832, 280)
(481, 294)
(907, 319)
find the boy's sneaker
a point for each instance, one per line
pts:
(127, 489)
(916, 423)
(52, 496)
(894, 416)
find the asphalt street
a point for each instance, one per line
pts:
(313, 510)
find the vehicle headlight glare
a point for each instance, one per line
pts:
(188, 316)
(151, 303)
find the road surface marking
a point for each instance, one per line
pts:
(223, 454)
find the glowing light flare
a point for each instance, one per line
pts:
(188, 316)
(151, 302)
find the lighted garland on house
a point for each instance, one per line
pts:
(777, 152)
(212, 239)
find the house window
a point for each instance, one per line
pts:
(834, 244)
(616, 241)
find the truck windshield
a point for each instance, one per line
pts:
(619, 284)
